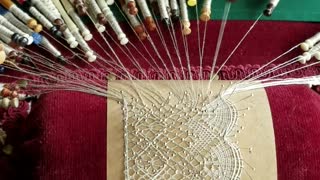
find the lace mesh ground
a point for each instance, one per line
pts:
(181, 139)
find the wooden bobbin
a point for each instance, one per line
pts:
(32, 23)
(2, 56)
(132, 7)
(186, 28)
(59, 23)
(205, 14)
(102, 18)
(192, 2)
(14, 94)
(140, 31)
(38, 28)
(150, 23)
(14, 102)
(80, 7)
(5, 103)
(317, 55)
(6, 92)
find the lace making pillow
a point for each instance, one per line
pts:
(184, 130)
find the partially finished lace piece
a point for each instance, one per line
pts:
(181, 139)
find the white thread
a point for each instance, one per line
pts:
(163, 9)
(24, 17)
(99, 27)
(174, 5)
(41, 18)
(5, 39)
(115, 25)
(82, 27)
(53, 11)
(93, 6)
(13, 20)
(144, 8)
(45, 7)
(13, 28)
(84, 46)
(7, 48)
(5, 31)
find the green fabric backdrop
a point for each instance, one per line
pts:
(287, 10)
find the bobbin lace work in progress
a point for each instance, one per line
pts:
(182, 134)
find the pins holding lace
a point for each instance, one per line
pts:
(270, 7)
(309, 43)
(206, 10)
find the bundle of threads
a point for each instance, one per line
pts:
(30, 22)
(22, 21)
(11, 94)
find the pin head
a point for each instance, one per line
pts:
(192, 2)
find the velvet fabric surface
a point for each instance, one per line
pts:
(73, 125)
